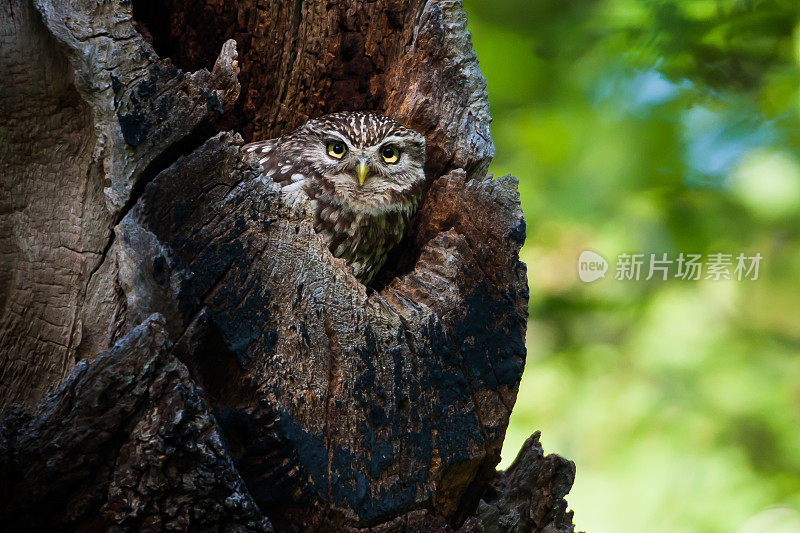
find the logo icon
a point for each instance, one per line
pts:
(591, 266)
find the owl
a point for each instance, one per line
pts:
(364, 174)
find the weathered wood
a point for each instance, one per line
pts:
(87, 112)
(337, 406)
(125, 442)
(529, 496)
(367, 403)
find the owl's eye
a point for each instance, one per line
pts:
(390, 154)
(336, 149)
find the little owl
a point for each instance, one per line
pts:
(364, 175)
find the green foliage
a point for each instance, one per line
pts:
(647, 126)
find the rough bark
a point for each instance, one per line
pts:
(124, 442)
(87, 113)
(373, 402)
(271, 383)
(529, 496)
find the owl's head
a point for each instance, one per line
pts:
(369, 159)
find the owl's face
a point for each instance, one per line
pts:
(370, 160)
(364, 174)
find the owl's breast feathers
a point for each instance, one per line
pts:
(362, 237)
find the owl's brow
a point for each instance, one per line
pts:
(396, 139)
(335, 134)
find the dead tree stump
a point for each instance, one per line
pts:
(247, 379)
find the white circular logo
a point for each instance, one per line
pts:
(591, 266)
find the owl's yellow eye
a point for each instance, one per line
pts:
(336, 149)
(390, 154)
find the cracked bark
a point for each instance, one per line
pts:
(244, 372)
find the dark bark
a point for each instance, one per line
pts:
(529, 496)
(272, 383)
(125, 441)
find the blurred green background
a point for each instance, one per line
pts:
(651, 127)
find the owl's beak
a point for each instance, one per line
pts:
(362, 169)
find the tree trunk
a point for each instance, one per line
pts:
(247, 379)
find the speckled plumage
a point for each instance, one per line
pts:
(360, 223)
